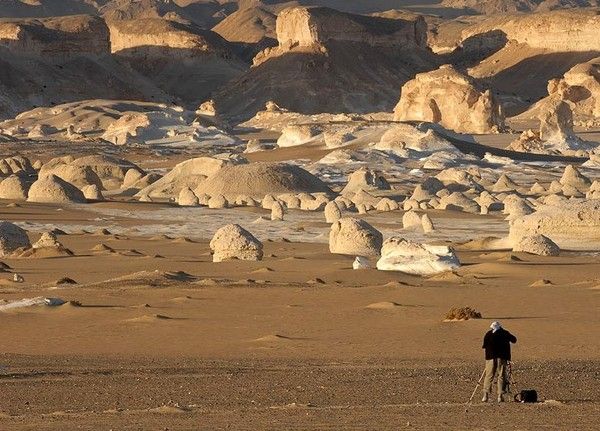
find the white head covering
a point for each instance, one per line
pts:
(495, 326)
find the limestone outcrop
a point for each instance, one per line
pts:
(189, 173)
(12, 237)
(52, 189)
(367, 180)
(565, 223)
(556, 134)
(537, 244)
(354, 237)
(399, 254)
(14, 188)
(234, 242)
(448, 97)
(310, 27)
(56, 36)
(572, 30)
(260, 179)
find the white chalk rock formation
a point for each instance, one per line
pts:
(573, 178)
(277, 211)
(566, 222)
(427, 224)
(354, 237)
(217, 202)
(556, 135)
(459, 202)
(12, 237)
(504, 184)
(537, 244)
(131, 177)
(79, 176)
(189, 173)
(398, 254)
(14, 188)
(411, 220)
(448, 97)
(367, 180)
(297, 135)
(234, 242)
(400, 139)
(92, 193)
(332, 212)
(387, 204)
(47, 240)
(187, 198)
(52, 189)
(592, 193)
(361, 262)
(260, 178)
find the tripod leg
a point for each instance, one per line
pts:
(476, 386)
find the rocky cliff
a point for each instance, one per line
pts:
(331, 61)
(558, 31)
(301, 26)
(157, 32)
(70, 35)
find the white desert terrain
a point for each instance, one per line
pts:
(277, 215)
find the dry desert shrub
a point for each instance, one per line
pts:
(462, 313)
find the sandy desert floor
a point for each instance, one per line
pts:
(159, 337)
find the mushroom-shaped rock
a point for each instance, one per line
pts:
(92, 193)
(537, 244)
(52, 189)
(332, 212)
(354, 237)
(277, 211)
(187, 198)
(398, 254)
(234, 242)
(367, 180)
(12, 237)
(14, 188)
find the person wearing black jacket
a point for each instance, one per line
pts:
(496, 343)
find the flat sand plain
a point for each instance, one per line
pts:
(159, 337)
